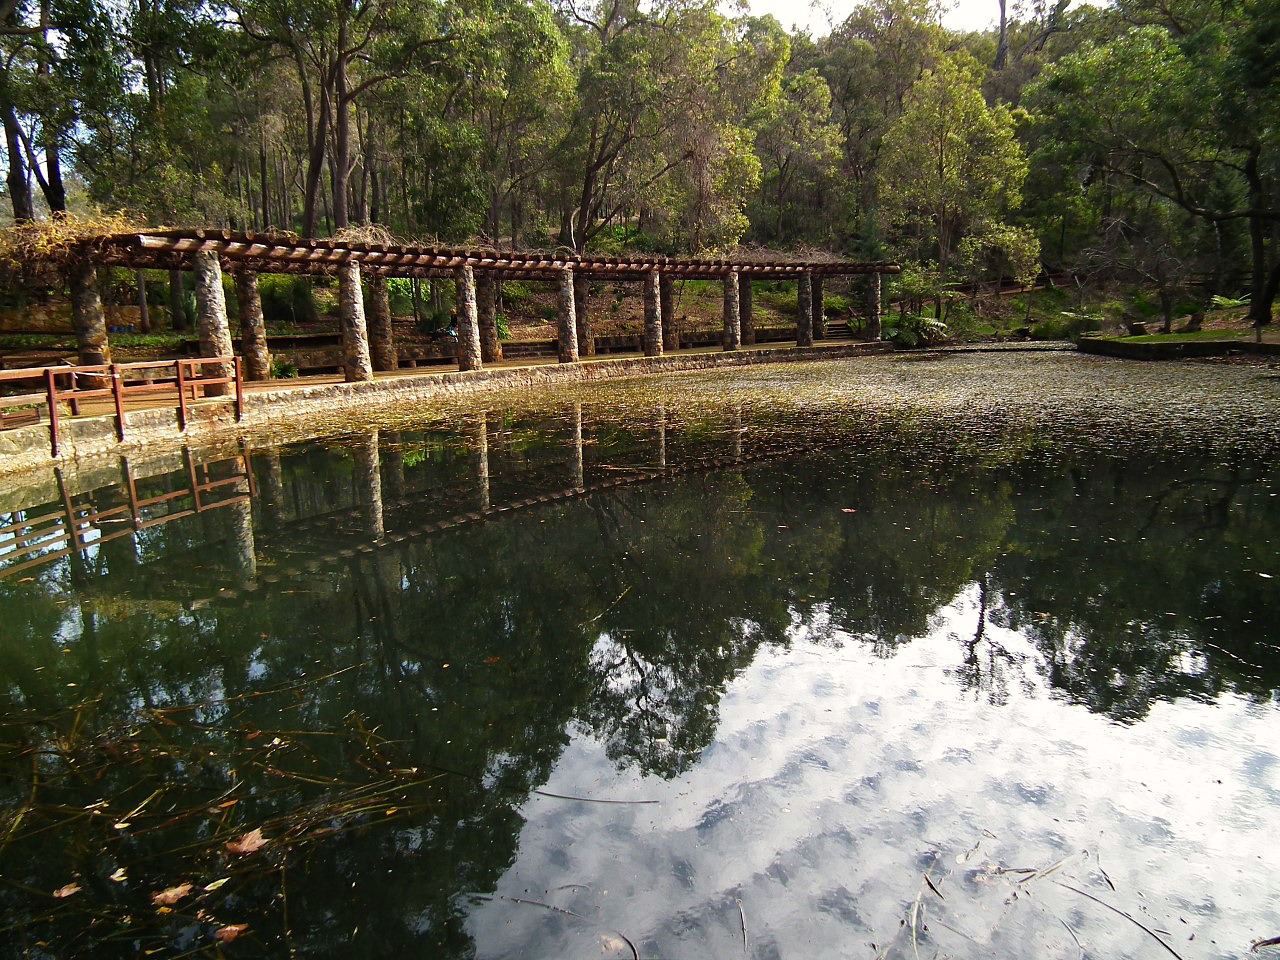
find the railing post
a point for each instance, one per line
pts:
(51, 387)
(117, 394)
(239, 389)
(75, 401)
(182, 395)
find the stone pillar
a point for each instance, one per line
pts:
(87, 316)
(253, 328)
(211, 319)
(356, 364)
(382, 341)
(652, 316)
(578, 472)
(368, 481)
(582, 316)
(487, 312)
(667, 303)
(732, 319)
(819, 309)
(746, 311)
(469, 357)
(804, 311)
(568, 318)
(873, 306)
(480, 443)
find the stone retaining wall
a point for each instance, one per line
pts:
(27, 447)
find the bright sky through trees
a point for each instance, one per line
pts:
(817, 17)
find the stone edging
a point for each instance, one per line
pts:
(27, 447)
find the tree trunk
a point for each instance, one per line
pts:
(582, 316)
(144, 311)
(357, 366)
(819, 309)
(652, 316)
(667, 304)
(746, 308)
(873, 307)
(211, 320)
(177, 303)
(87, 315)
(804, 310)
(568, 318)
(1259, 306)
(19, 184)
(382, 342)
(487, 310)
(253, 328)
(469, 355)
(732, 319)
(1002, 44)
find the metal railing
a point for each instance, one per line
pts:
(187, 381)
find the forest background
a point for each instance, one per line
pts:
(1137, 143)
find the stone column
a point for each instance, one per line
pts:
(87, 316)
(582, 316)
(667, 303)
(819, 309)
(211, 319)
(804, 311)
(746, 311)
(356, 363)
(487, 312)
(873, 306)
(568, 318)
(368, 480)
(382, 341)
(253, 328)
(652, 316)
(480, 442)
(578, 473)
(469, 357)
(732, 319)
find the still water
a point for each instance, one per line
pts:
(962, 657)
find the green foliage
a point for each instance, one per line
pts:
(913, 330)
(1067, 325)
(286, 300)
(283, 368)
(504, 328)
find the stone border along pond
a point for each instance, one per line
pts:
(27, 447)
(1048, 386)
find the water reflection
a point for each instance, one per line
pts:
(383, 648)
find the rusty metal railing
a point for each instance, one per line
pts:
(187, 381)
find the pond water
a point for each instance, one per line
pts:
(962, 656)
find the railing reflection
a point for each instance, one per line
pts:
(81, 522)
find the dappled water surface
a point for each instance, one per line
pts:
(956, 656)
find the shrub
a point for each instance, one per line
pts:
(913, 330)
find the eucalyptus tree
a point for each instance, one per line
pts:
(60, 59)
(1182, 104)
(341, 51)
(952, 170)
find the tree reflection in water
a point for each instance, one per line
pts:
(388, 660)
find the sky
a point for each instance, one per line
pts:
(818, 16)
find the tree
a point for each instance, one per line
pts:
(952, 167)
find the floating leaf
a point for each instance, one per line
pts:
(71, 889)
(119, 876)
(229, 932)
(216, 885)
(171, 895)
(250, 842)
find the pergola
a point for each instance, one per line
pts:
(367, 339)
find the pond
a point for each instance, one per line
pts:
(967, 656)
